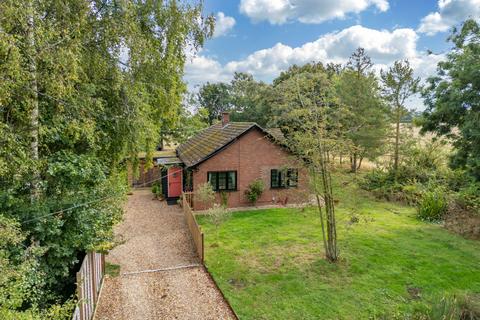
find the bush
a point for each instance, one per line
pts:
(433, 205)
(205, 194)
(157, 190)
(217, 215)
(224, 199)
(254, 191)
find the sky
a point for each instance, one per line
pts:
(265, 37)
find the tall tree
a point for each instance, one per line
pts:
(453, 98)
(215, 97)
(311, 98)
(250, 99)
(366, 121)
(398, 85)
(83, 86)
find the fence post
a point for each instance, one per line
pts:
(93, 277)
(80, 295)
(203, 251)
(103, 264)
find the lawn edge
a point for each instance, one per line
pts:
(220, 290)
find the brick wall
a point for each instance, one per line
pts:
(253, 156)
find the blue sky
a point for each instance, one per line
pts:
(264, 37)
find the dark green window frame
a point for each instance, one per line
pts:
(280, 179)
(222, 180)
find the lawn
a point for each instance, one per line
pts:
(270, 263)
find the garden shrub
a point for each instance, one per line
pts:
(254, 191)
(433, 205)
(217, 215)
(205, 194)
(224, 199)
(157, 190)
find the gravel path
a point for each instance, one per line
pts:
(156, 236)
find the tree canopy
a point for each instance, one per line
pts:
(453, 98)
(84, 86)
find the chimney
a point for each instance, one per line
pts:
(225, 118)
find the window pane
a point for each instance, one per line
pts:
(222, 180)
(282, 178)
(292, 177)
(274, 179)
(212, 178)
(232, 183)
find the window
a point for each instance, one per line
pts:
(223, 180)
(284, 178)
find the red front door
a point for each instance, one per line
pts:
(174, 182)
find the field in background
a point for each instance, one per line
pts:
(270, 265)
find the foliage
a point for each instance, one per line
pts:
(398, 85)
(433, 205)
(424, 167)
(254, 190)
(21, 278)
(365, 120)
(217, 215)
(189, 124)
(157, 189)
(246, 99)
(453, 98)
(205, 194)
(309, 117)
(251, 100)
(280, 261)
(215, 98)
(224, 198)
(84, 87)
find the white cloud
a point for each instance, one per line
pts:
(382, 46)
(223, 24)
(305, 11)
(201, 69)
(450, 12)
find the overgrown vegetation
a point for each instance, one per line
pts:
(85, 86)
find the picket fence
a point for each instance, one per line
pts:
(89, 283)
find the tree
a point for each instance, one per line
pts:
(215, 97)
(453, 98)
(365, 120)
(84, 86)
(311, 98)
(250, 99)
(398, 85)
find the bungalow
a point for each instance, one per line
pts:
(230, 156)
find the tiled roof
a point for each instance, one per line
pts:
(210, 140)
(277, 135)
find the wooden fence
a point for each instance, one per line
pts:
(89, 282)
(195, 230)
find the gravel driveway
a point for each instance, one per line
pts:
(155, 236)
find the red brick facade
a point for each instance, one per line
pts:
(252, 155)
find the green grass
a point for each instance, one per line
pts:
(113, 270)
(270, 263)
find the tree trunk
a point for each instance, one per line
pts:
(33, 101)
(360, 162)
(354, 163)
(397, 143)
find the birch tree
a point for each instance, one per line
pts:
(311, 98)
